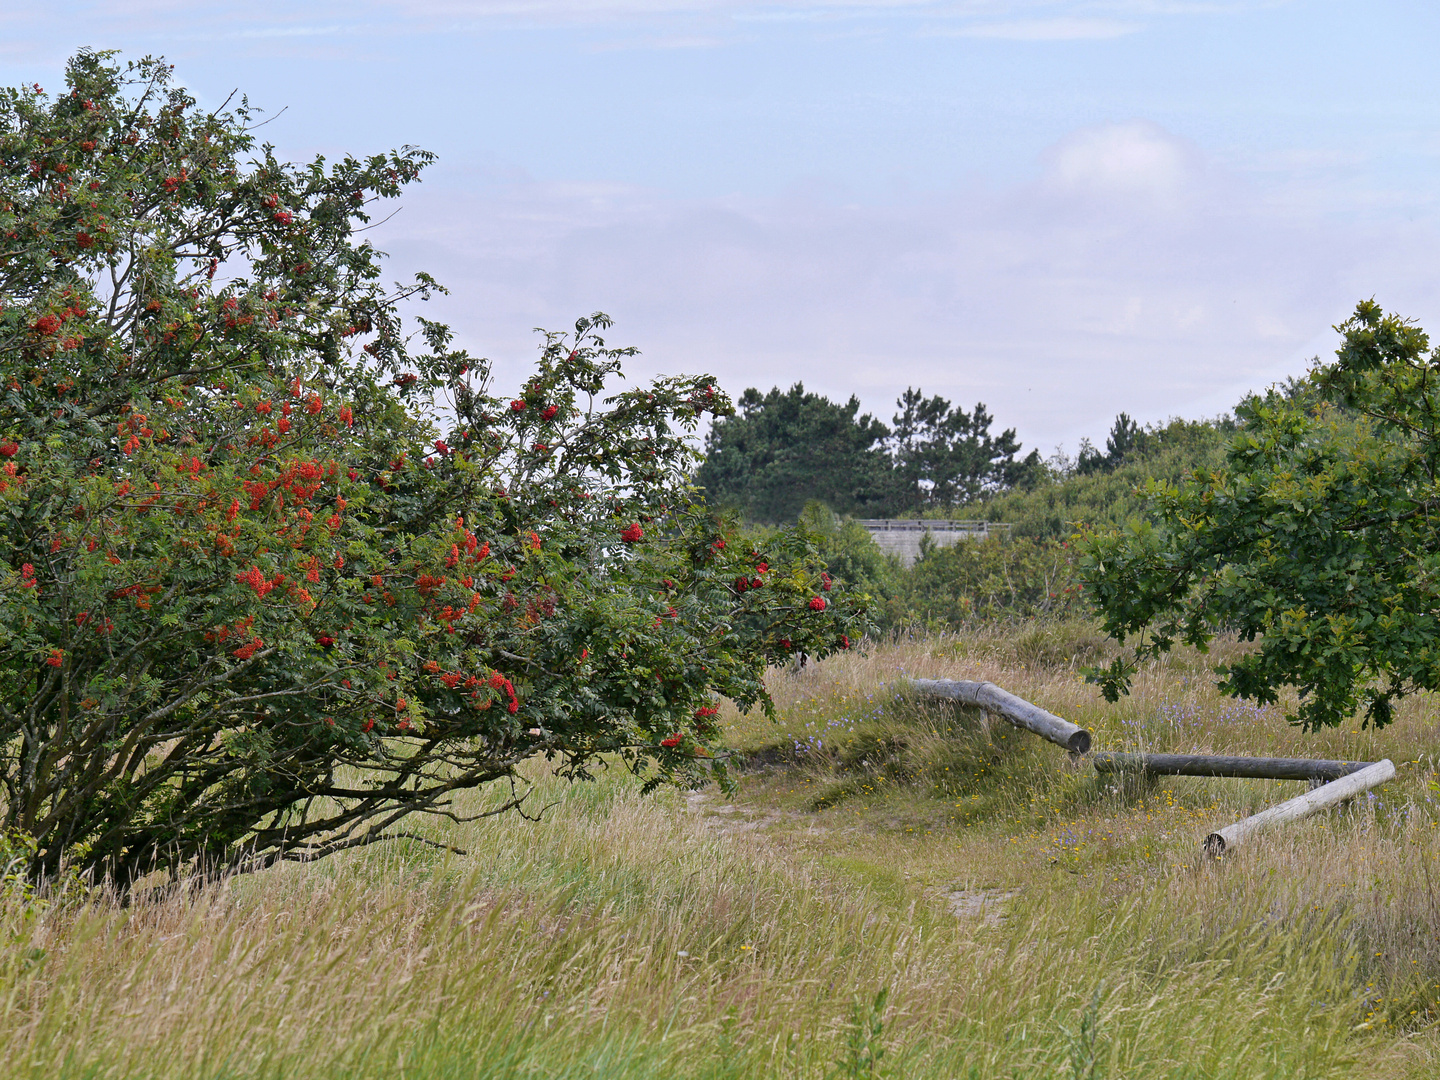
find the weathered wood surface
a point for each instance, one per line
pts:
(1018, 711)
(1302, 806)
(1215, 765)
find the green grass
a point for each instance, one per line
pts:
(809, 927)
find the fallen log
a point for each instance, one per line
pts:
(1260, 768)
(1018, 711)
(1302, 806)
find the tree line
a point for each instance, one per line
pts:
(784, 449)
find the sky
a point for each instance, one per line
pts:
(1061, 208)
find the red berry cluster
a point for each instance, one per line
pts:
(500, 682)
(246, 651)
(256, 581)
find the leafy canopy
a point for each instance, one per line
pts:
(277, 573)
(1065, 497)
(1318, 539)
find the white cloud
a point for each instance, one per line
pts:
(1057, 302)
(1127, 161)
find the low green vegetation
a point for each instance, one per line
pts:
(959, 585)
(1031, 572)
(1111, 491)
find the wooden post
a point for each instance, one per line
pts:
(1214, 765)
(1302, 806)
(1018, 711)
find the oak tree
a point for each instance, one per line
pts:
(1318, 540)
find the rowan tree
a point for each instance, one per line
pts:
(282, 572)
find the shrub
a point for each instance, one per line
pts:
(997, 578)
(258, 605)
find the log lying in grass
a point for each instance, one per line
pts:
(1018, 711)
(1263, 768)
(1337, 791)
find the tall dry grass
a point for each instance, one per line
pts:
(677, 936)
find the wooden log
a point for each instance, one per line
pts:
(1214, 765)
(1018, 711)
(1302, 806)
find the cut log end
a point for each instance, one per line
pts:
(1302, 806)
(1079, 743)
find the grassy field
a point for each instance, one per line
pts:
(898, 889)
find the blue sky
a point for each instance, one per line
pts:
(1062, 209)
